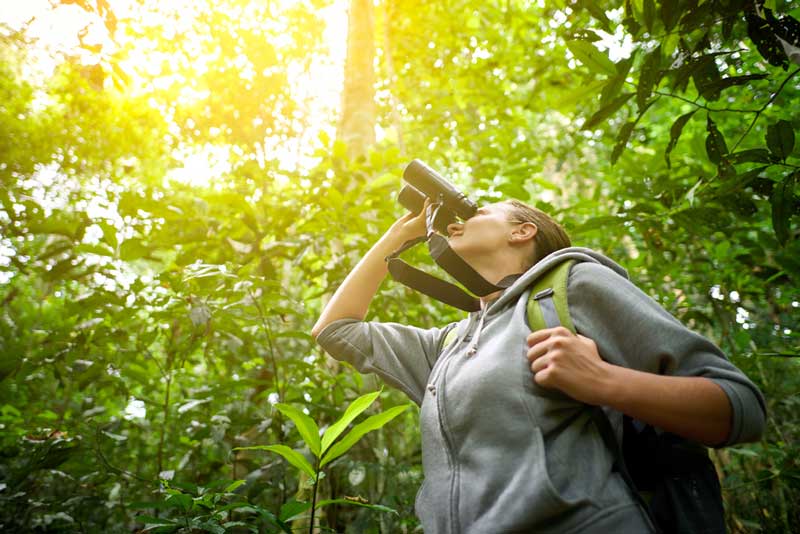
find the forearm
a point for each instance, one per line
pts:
(351, 300)
(692, 407)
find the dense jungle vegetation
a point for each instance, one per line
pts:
(183, 184)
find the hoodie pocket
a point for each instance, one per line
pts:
(541, 465)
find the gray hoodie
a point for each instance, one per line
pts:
(502, 454)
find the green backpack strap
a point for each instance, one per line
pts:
(548, 308)
(547, 304)
(451, 336)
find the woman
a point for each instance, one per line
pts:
(508, 441)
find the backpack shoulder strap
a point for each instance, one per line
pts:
(547, 305)
(451, 336)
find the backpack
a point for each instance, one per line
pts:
(672, 479)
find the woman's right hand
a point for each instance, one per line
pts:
(409, 226)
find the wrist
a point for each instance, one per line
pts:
(610, 385)
(391, 241)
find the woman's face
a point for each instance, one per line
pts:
(485, 232)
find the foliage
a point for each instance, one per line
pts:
(327, 449)
(153, 309)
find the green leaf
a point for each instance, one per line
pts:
(305, 425)
(606, 111)
(101, 249)
(649, 14)
(602, 221)
(371, 423)
(581, 93)
(109, 233)
(670, 13)
(596, 11)
(622, 140)
(353, 411)
(356, 502)
(291, 456)
(782, 201)
(765, 40)
(150, 520)
(780, 139)
(386, 179)
(649, 77)
(180, 500)
(675, 133)
(615, 83)
(715, 142)
(132, 249)
(208, 526)
(230, 488)
(593, 58)
(291, 509)
(758, 155)
(724, 83)
(707, 79)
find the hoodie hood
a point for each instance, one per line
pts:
(548, 262)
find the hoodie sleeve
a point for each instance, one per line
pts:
(633, 330)
(401, 355)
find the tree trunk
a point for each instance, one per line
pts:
(357, 119)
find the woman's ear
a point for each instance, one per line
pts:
(524, 232)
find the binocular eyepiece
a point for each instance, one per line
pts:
(424, 182)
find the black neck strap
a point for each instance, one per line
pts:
(452, 263)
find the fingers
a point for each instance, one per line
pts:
(539, 363)
(547, 334)
(424, 211)
(543, 345)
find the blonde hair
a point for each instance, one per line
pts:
(550, 235)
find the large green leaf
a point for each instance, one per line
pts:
(593, 58)
(292, 509)
(291, 455)
(371, 423)
(353, 411)
(357, 502)
(606, 111)
(133, 249)
(715, 142)
(780, 138)
(675, 133)
(305, 425)
(566, 100)
(649, 77)
(622, 140)
(783, 201)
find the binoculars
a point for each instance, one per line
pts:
(424, 182)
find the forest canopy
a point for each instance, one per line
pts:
(184, 184)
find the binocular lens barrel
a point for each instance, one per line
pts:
(431, 184)
(411, 199)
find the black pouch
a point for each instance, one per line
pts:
(678, 480)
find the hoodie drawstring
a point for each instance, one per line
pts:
(474, 347)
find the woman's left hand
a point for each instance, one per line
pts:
(568, 362)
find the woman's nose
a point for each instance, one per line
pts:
(453, 227)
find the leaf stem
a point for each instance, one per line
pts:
(765, 106)
(314, 497)
(279, 387)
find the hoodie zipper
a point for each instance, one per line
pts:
(448, 445)
(441, 376)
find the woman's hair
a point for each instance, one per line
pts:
(550, 236)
